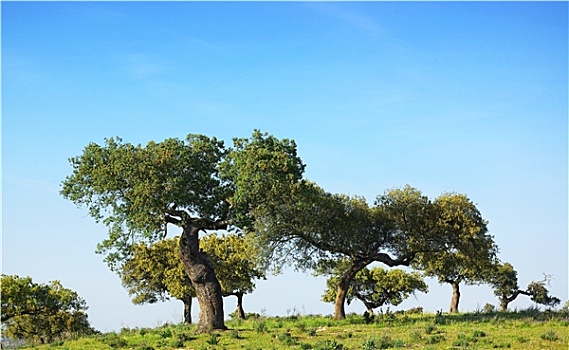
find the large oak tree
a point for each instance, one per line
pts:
(318, 228)
(196, 184)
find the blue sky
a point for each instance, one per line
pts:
(447, 97)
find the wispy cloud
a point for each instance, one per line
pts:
(349, 16)
(32, 184)
(142, 66)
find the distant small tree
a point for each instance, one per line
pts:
(377, 287)
(238, 262)
(471, 252)
(504, 280)
(41, 312)
(155, 273)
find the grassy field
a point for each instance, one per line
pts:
(512, 330)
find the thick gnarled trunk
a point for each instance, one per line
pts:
(343, 286)
(200, 271)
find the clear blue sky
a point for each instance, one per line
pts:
(463, 97)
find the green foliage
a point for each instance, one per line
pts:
(328, 345)
(237, 261)
(540, 294)
(378, 287)
(262, 171)
(114, 340)
(41, 312)
(504, 280)
(471, 252)
(213, 339)
(131, 188)
(196, 184)
(155, 273)
(519, 330)
(550, 335)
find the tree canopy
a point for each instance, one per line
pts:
(504, 280)
(377, 287)
(41, 312)
(471, 253)
(155, 273)
(196, 184)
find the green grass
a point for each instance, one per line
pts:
(512, 330)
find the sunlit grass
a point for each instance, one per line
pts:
(513, 330)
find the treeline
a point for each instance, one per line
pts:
(255, 192)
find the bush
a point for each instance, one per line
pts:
(114, 341)
(489, 308)
(260, 326)
(435, 339)
(416, 310)
(286, 338)
(550, 335)
(328, 345)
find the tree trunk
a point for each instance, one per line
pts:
(504, 304)
(343, 286)
(187, 309)
(455, 297)
(200, 271)
(240, 311)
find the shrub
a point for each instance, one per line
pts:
(286, 338)
(114, 341)
(550, 335)
(328, 345)
(489, 308)
(166, 333)
(435, 339)
(213, 339)
(416, 310)
(479, 334)
(430, 328)
(260, 326)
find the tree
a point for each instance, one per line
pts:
(377, 287)
(504, 280)
(237, 262)
(471, 253)
(41, 312)
(195, 184)
(155, 273)
(315, 229)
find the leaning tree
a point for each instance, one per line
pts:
(504, 280)
(195, 184)
(317, 228)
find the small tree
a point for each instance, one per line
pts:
(155, 273)
(377, 287)
(504, 280)
(238, 263)
(471, 252)
(41, 312)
